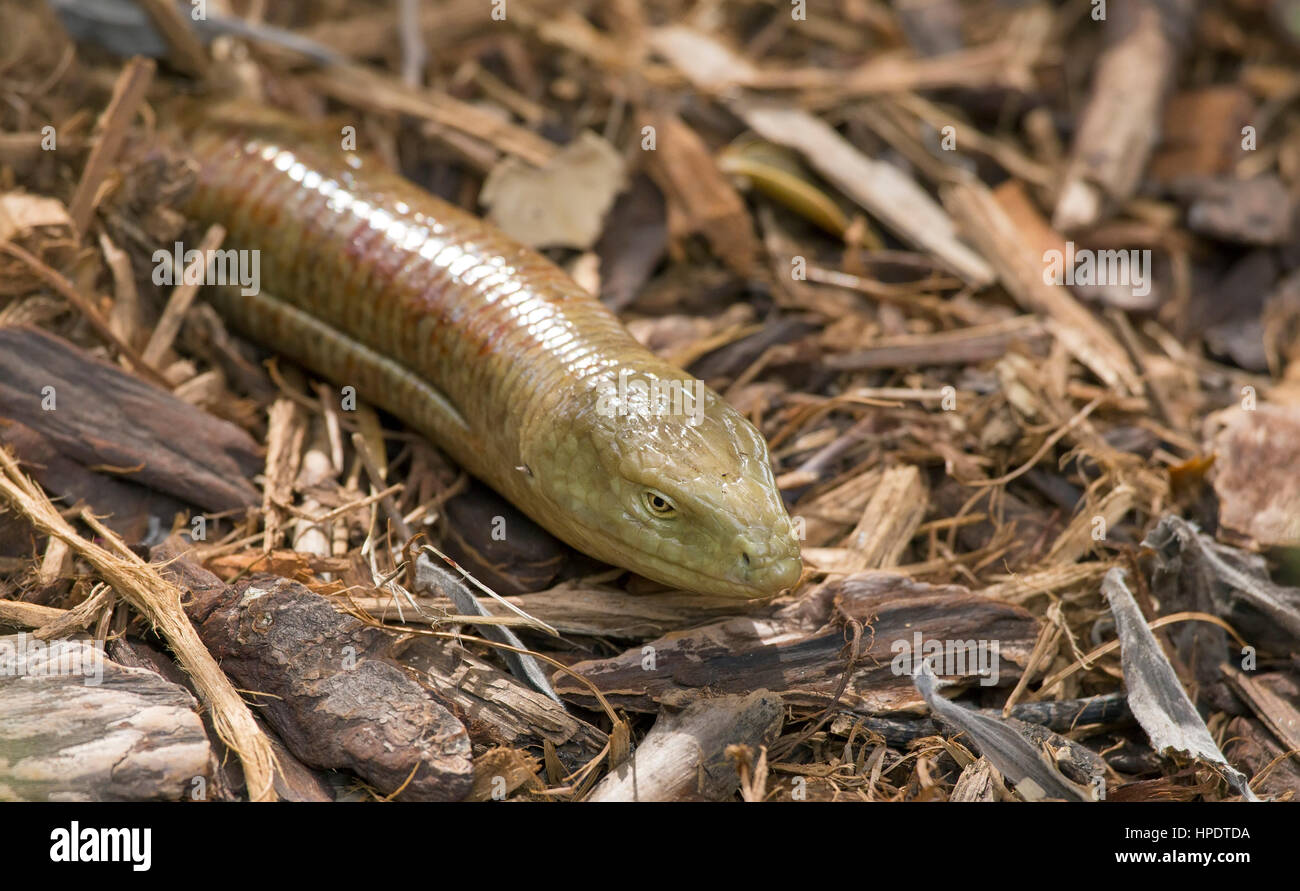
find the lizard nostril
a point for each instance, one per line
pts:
(744, 558)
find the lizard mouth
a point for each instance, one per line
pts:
(759, 579)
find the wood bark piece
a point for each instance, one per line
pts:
(1021, 272)
(800, 652)
(1255, 475)
(1273, 710)
(355, 85)
(87, 308)
(1249, 743)
(498, 708)
(126, 507)
(331, 692)
(287, 430)
(500, 771)
(684, 755)
(186, 51)
(106, 417)
(1120, 125)
(1252, 211)
(182, 297)
(67, 734)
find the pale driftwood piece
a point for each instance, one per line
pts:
(499, 707)
(684, 755)
(294, 781)
(1120, 125)
(68, 735)
(989, 227)
(882, 189)
(979, 781)
(103, 416)
(332, 692)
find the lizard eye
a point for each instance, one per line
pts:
(658, 504)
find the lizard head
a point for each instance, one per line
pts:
(671, 482)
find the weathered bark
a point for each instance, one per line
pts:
(71, 733)
(332, 693)
(103, 416)
(294, 781)
(801, 652)
(127, 508)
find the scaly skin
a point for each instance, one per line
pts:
(492, 352)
